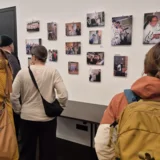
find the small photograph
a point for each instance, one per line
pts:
(53, 55)
(121, 30)
(95, 58)
(95, 75)
(95, 37)
(73, 48)
(73, 29)
(30, 43)
(29, 61)
(120, 66)
(73, 67)
(52, 31)
(33, 26)
(96, 19)
(151, 28)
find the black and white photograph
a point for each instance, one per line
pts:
(95, 37)
(121, 30)
(33, 26)
(52, 31)
(151, 28)
(95, 75)
(96, 19)
(73, 29)
(95, 58)
(120, 66)
(53, 55)
(73, 48)
(73, 67)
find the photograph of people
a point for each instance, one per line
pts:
(95, 75)
(95, 37)
(95, 58)
(151, 28)
(33, 26)
(121, 30)
(73, 67)
(73, 29)
(120, 66)
(96, 19)
(30, 43)
(73, 48)
(53, 55)
(52, 31)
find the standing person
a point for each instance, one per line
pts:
(35, 124)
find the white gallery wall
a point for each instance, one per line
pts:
(79, 87)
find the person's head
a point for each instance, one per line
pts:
(118, 24)
(39, 55)
(153, 21)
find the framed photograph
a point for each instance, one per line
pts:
(29, 61)
(95, 37)
(73, 29)
(53, 55)
(52, 31)
(33, 26)
(95, 75)
(95, 58)
(121, 30)
(73, 48)
(30, 43)
(73, 67)
(151, 28)
(120, 66)
(96, 19)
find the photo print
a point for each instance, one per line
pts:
(33, 26)
(30, 43)
(73, 48)
(120, 66)
(95, 58)
(96, 19)
(52, 31)
(29, 61)
(151, 28)
(121, 30)
(73, 29)
(53, 55)
(73, 67)
(95, 75)
(95, 37)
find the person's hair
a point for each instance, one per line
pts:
(154, 16)
(40, 52)
(118, 22)
(152, 61)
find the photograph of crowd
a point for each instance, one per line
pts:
(95, 37)
(95, 58)
(30, 43)
(151, 28)
(95, 75)
(96, 19)
(120, 66)
(73, 29)
(33, 26)
(29, 61)
(73, 48)
(53, 55)
(73, 67)
(52, 31)
(121, 30)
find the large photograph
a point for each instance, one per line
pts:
(73, 29)
(95, 37)
(121, 30)
(52, 31)
(33, 26)
(73, 48)
(151, 28)
(95, 75)
(73, 67)
(53, 55)
(96, 19)
(120, 66)
(95, 58)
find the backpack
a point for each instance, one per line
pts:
(138, 130)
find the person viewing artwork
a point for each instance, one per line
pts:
(73, 29)
(53, 55)
(95, 37)
(73, 67)
(33, 26)
(95, 58)
(151, 28)
(30, 43)
(52, 31)
(73, 48)
(95, 75)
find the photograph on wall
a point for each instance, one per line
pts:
(151, 28)
(33, 26)
(73, 48)
(53, 55)
(73, 29)
(96, 19)
(120, 66)
(29, 61)
(73, 67)
(95, 37)
(30, 43)
(52, 31)
(95, 75)
(95, 58)
(121, 30)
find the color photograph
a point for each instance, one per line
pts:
(121, 30)
(95, 37)
(73, 67)
(53, 55)
(151, 28)
(73, 48)
(95, 58)
(73, 29)
(52, 31)
(33, 26)
(95, 75)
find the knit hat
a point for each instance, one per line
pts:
(5, 41)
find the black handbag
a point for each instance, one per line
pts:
(51, 109)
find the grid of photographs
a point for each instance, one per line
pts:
(52, 31)
(95, 58)
(95, 75)
(73, 29)
(73, 67)
(53, 55)
(95, 37)
(73, 48)
(33, 26)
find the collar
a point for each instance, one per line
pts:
(7, 51)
